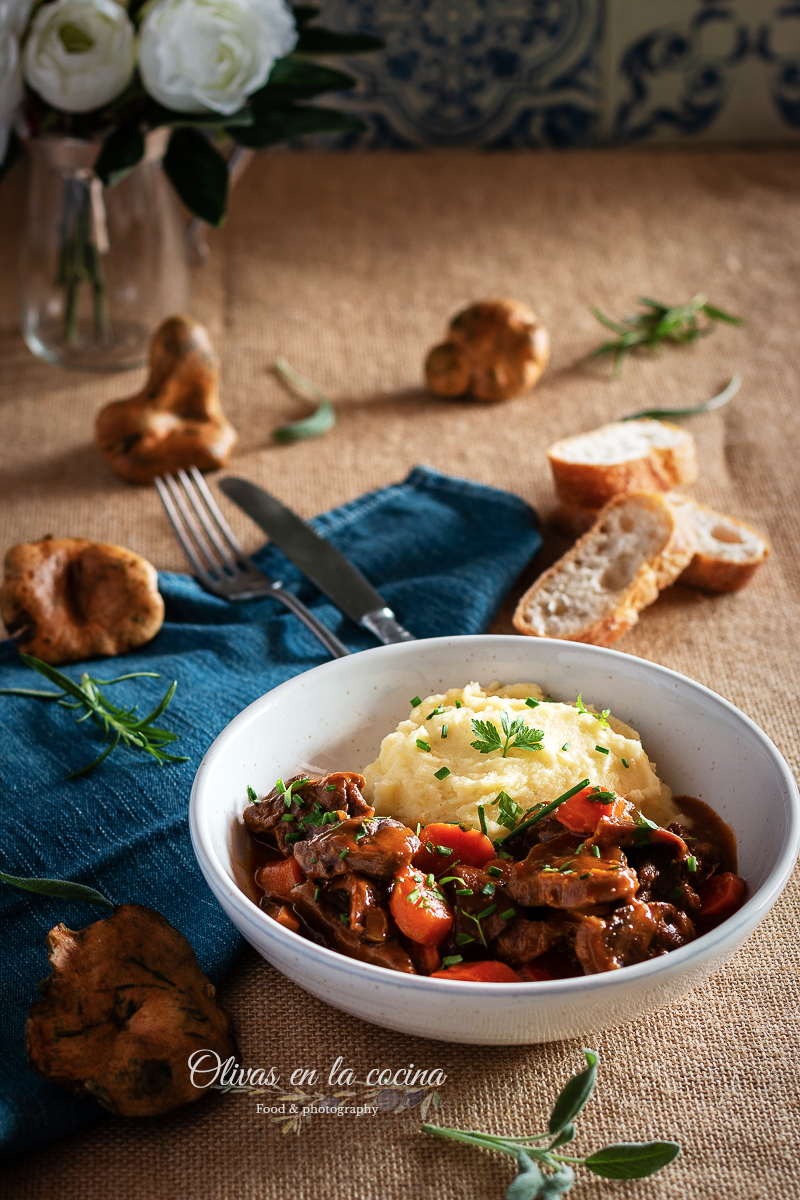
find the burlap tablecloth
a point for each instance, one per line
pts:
(350, 267)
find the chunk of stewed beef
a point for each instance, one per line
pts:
(314, 906)
(526, 940)
(363, 902)
(481, 904)
(632, 933)
(376, 846)
(308, 808)
(565, 873)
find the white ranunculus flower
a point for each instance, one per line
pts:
(80, 53)
(201, 55)
(13, 18)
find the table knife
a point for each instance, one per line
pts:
(318, 560)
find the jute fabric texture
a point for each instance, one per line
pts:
(350, 268)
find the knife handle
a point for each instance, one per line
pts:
(383, 624)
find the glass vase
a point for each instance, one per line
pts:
(100, 267)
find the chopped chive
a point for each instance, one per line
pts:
(446, 850)
(424, 745)
(412, 897)
(588, 875)
(487, 889)
(287, 799)
(482, 819)
(547, 808)
(463, 939)
(292, 837)
(313, 858)
(496, 871)
(625, 762)
(444, 731)
(602, 749)
(452, 960)
(436, 712)
(419, 826)
(508, 914)
(316, 894)
(596, 851)
(430, 880)
(343, 917)
(676, 893)
(429, 847)
(251, 795)
(579, 849)
(287, 817)
(487, 912)
(442, 773)
(415, 702)
(344, 853)
(691, 863)
(331, 787)
(531, 703)
(463, 891)
(280, 786)
(565, 746)
(458, 704)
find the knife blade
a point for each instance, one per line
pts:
(319, 561)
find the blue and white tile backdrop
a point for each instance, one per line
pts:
(502, 74)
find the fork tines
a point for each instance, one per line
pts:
(205, 536)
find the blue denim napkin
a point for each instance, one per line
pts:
(443, 552)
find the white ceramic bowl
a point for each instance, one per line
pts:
(336, 715)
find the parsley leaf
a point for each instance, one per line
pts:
(509, 812)
(601, 717)
(516, 734)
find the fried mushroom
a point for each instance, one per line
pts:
(68, 599)
(123, 1008)
(176, 420)
(495, 349)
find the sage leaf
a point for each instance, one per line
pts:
(575, 1094)
(63, 889)
(277, 123)
(320, 421)
(199, 174)
(693, 410)
(122, 150)
(567, 1134)
(313, 40)
(632, 1160)
(557, 1184)
(528, 1184)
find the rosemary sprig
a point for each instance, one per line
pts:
(622, 1160)
(693, 410)
(660, 323)
(320, 421)
(118, 724)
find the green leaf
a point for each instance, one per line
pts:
(281, 122)
(199, 175)
(715, 402)
(545, 810)
(567, 1135)
(61, 888)
(487, 735)
(717, 314)
(314, 40)
(321, 420)
(303, 13)
(294, 79)
(575, 1094)
(632, 1160)
(529, 1182)
(122, 150)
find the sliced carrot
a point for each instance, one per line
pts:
(284, 916)
(277, 879)
(721, 896)
(427, 958)
(534, 973)
(479, 972)
(419, 909)
(468, 846)
(581, 813)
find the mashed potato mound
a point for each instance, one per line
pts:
(402, 781)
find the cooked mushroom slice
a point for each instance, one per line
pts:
(176, 420)
(377, 847)
(311, 903)
(495, 349)
(123, 1008)
(67, 599)
(311, 806)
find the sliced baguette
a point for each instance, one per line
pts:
(595, 592)
(626, 456)
(729, 552)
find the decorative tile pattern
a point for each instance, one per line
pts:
(501, 74)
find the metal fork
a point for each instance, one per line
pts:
(217, 559)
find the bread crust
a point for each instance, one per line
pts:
(651, 577)
(716, 572)
(591, 485)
